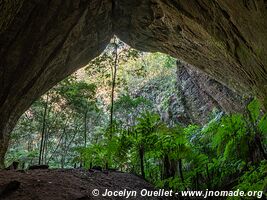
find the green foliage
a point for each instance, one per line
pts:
(263, 125)
(63, 123)
(225, 154)
(78, 95)
(147, 124)
(254, 109)
(21, 156)
(255, 179)
(231, 134)
(175, 183)
(126, 102)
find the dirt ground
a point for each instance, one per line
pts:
(68, 184)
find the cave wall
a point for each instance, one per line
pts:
(46, 41)
(226, 39)
(43, 41)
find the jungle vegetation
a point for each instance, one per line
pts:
(109, 114)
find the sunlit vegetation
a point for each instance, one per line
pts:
(71, 126)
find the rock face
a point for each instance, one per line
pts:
(184, 95)
(198, 95)
(43, 41)
(226, 39)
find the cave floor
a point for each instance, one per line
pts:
(67, 184)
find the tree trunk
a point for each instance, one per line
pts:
(181, 170)
(113, 76)
(208, 176)
(173, 167)
(85, 128)
(41, 154)
(258, 142)
(142, 166)
(169, 167)
(166, 167)
(197, 184)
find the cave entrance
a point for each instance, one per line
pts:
(171, 136)
(106, 98)
(129, 111)
(76, 113)
(43, 42)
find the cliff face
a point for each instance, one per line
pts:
(184, 95)
(43, 41)
(198, 95)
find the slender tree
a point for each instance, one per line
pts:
(114, 75)
(43, 130)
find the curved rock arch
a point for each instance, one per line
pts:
(43, 41)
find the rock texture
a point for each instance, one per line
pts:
(198, 95)
(184, 95)
(226, 39)
(42, 41)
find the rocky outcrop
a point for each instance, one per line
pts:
(184, 95)
(198, 95)
(43, 41)
(226, 39)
